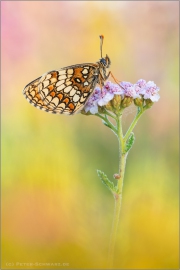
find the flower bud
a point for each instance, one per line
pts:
(138, 101)
(101, 109)
(116, 102)
(109, 106)
(85, 113)
(149, 103)
(126, 102)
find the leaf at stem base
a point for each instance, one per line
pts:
(129, 142)
(109, 184)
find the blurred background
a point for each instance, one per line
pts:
(54, 208)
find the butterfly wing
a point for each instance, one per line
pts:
(63, 91)
(32, 95)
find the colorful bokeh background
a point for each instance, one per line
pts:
(55, 210)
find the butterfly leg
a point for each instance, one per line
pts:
(105, 77)
(102, 79)
(117, 81)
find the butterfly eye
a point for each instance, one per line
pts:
(103, 61)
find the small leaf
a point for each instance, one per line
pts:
(129, 142)
(106, 181)
(139, 110)
(106, 124)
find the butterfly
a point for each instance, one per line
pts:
(66, 91)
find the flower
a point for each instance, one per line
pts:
(139, 91)
(92, 103)
(141, 83)
(133, 91)
(125, 85)
(104, 97)
(101, 97)
(150, 90)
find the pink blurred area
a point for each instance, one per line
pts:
(53, 204)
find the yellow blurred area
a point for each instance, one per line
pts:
(55, 210)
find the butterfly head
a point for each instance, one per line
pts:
(105, 61)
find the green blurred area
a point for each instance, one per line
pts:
(54, 207)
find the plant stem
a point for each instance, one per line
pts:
(118, 194)
(122, 164)
(110, 114)
(134, 122)
(109, 124)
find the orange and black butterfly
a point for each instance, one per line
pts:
(65, 91)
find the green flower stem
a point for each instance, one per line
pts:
(134, 122)
(110, 114)
(110, 124)
(117, 209)
(125, 144)
(106, 120)
(120, 134)
(118, 194)
(122, 164)
(100, 116)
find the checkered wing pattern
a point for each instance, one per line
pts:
(63, 91)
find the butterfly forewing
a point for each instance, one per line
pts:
(63, 91)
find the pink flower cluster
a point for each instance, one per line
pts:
(100, 97)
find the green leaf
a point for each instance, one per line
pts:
(106, 124)
(129, 142)
(139, 110)
(106, 181)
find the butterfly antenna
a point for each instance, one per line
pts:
(101, 43)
